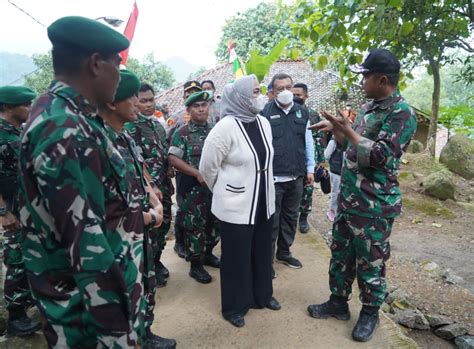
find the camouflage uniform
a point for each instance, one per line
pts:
(150, 136)
(306, 204)
(16, 289)
(194, 213)
(83, 249)
(130, 153)
(369, 199)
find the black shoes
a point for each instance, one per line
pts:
(161, 269)
(273, 304)
(304, 226)
(198, 273)
(236, 320)
(290, 261)
(22, 326)
(211, 260)
(180, 250)
(274, 274)
(160, 280)
(366, 325)
(152, 341)
(337, 309)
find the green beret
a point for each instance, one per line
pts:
(16, 95)
(87, 34)
(198, 97)
(128, 86)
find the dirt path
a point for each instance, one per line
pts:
(190, 312)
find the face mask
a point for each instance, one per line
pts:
(298, 100)
(258, 104)
(285, 97)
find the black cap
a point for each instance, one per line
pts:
(378, 60)
(192, 84)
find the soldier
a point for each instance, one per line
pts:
(15, 103)
(116, 114)
(83, 249)
(300, 93)
(194, 215)
(177, 120)
(215, 103)
(369, 198)
(150, 136)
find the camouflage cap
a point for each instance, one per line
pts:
(198, 97)
(86, 34)
(15, 95)
(129, 85)
(378, 60)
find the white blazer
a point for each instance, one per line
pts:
(230, 167)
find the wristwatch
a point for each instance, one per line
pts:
(3, 211)
(153, 220)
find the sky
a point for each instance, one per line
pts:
(184, 28)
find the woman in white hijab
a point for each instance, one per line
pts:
(236, 164)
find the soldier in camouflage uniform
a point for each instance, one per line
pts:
(150, 136)
(194, 215)
(116, 114)
(369, 197)
(300, 91)
(83, 249)
(15, 103)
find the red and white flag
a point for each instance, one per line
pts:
(129, 31)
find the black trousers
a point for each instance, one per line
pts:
(287, 202)
(246, 266)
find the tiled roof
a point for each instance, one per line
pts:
(321, 85)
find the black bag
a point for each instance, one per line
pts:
(325, 182)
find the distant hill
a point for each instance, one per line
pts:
(181, 68)
(13, 66)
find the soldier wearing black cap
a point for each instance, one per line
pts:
(369, 197)
(83, 249)
(15, 104)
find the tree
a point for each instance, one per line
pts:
(199, 71)
(260, 28)
(40, 78)
(152, 71)
(420, 32)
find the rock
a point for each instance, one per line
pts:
(452, 278)
(385, 307)
(464, 342)
(458, 156)
(415, 146)
(398, 295)
(412, 318)
(450, 331)
(440, 185)
(429, 266)
(436, 320)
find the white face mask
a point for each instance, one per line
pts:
(285, 97)
(258, 104)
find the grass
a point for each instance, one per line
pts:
(428, 207)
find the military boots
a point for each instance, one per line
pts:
(19, 324)
(304, 226)
(335, 306)
(366, 325)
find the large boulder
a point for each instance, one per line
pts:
(450, 331)
(412, 318)
(458, 156)
(440, 185)
(415, 146)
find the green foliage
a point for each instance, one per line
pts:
(459, 118)
(152, 71)
(260, 28)
(260, 65)
(40, 79)
(419, 32)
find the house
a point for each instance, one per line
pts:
(321, 85)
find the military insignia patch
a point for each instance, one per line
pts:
(298, 114)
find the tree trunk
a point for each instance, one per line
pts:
(434, 107)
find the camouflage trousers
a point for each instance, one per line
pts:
(196, 220)
(16, 288)
(158, 235)
(307, 199)
(360, 247)
(147, 303)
